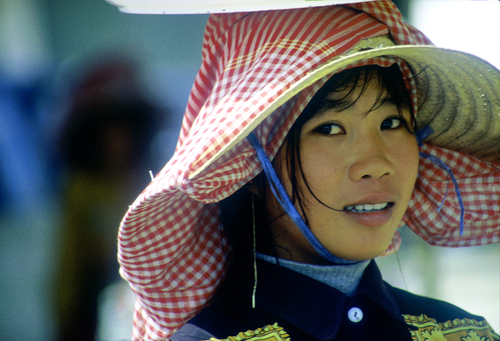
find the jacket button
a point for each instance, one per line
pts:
(355, 314)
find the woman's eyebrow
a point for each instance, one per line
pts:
(340, 106)
(337, 104)
(388, 100)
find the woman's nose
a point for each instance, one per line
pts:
(370, 159)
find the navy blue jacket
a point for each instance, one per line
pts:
(310, 310)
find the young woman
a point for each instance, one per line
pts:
(310, 135)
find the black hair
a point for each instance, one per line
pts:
(240, 213)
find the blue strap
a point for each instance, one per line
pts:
(285, 202)
(421, 135)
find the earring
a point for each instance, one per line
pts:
(254, 249)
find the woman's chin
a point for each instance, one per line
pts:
(362, 255)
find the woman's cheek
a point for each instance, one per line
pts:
(319, 162)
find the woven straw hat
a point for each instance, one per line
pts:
(259, 71)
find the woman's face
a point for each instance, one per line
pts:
(362, 162)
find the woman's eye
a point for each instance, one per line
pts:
(329, 129)
(392, 123)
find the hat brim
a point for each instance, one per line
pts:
(458, 96)
(220, 6)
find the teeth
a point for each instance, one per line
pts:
(367, 207)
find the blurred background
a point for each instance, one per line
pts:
(91, 102)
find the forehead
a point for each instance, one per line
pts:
(366, 91)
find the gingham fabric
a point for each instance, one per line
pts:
(171, 248)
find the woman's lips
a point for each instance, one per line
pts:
(372, 218)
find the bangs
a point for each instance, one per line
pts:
(390, 84)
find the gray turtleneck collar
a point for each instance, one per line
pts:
(344, 277)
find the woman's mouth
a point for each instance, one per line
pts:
(370, 215)
(368, 207)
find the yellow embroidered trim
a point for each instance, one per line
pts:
(268, 333)
(456, 330)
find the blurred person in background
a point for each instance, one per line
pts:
(105, 147)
